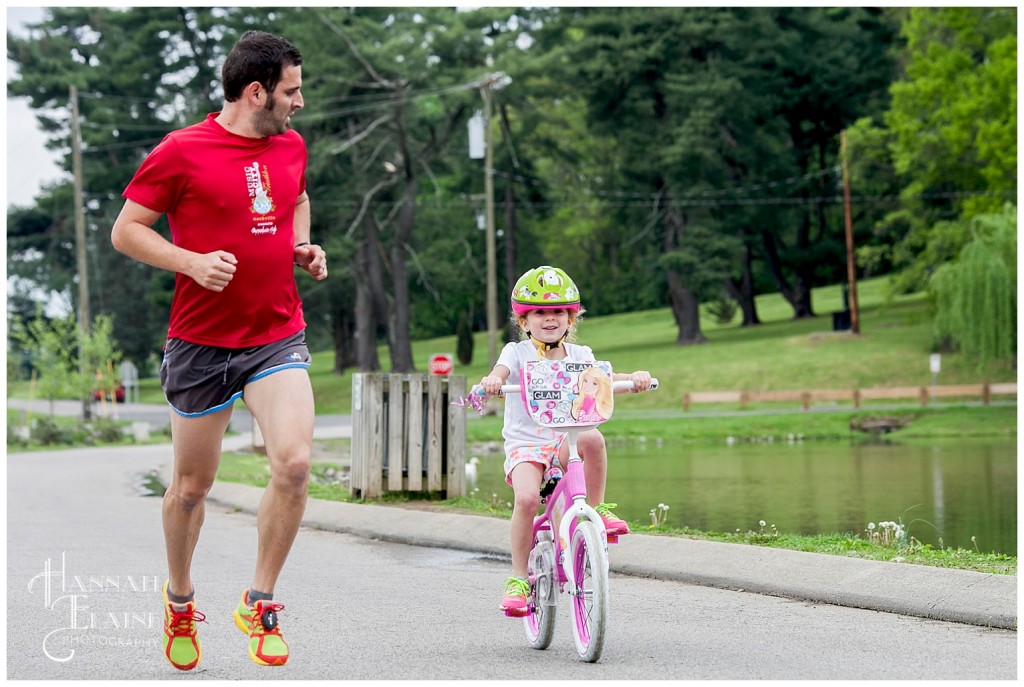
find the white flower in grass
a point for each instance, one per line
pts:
(761, 523)
(871, 526)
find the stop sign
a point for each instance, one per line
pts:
(441, 364)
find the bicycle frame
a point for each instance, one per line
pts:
(564, 507)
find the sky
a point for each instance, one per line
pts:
(29, 163)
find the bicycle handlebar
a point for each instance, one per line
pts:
(624, 385)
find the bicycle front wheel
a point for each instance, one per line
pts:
(590, 597)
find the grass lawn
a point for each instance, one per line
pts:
(781, 354)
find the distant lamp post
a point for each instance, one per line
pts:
(935, 365)
(488, 84)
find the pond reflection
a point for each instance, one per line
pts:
(950, 490)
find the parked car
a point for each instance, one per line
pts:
(97, 394)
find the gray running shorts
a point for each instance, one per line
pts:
(198, 380)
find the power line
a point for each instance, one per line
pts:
(432, 202)
(390, 102)
(652, 196)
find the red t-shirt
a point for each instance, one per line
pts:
(221, 191)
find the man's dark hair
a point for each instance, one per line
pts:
(257, 56)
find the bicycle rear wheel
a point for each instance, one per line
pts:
(540, 569)
(590, 597)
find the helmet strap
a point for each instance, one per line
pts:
(542, 347)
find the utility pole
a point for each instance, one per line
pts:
(492, 249)
(80, 249)
(488, 85)
(851, 272)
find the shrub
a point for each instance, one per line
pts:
(107, 431)
(47, 432)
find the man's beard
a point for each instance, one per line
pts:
(266, 123)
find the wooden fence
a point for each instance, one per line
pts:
(406, 435)
(924, 394)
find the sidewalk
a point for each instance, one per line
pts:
(915, 590)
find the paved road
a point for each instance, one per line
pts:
(362, 606)
(156, 414)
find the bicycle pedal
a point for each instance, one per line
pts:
(517, 613)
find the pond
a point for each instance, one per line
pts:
(948, 490)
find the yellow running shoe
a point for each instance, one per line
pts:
(259, 620)
(182, 648)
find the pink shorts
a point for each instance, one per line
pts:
(543, 455)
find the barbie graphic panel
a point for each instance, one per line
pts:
(564, 393)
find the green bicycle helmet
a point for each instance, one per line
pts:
(545, 288)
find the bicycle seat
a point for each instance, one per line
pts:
(565, 394)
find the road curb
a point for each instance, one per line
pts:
(959, 596)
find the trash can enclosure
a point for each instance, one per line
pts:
(406, 435)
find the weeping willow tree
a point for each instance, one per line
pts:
(976, 295)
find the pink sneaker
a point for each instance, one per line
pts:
(612, 524)
(515, 604)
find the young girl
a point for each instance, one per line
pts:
(546, 304)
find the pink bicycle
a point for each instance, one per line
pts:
(570, 543)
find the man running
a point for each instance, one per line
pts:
(233, 188)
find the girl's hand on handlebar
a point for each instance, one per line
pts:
(641, 381)
(491, 384)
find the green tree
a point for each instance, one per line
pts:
(70, 362)
(52, 345)
(833, 66)
(101, 356)
(953, 130)
(383, 152)
(705, 107)
(976, 294)
(464, 340)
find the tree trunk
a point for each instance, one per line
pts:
(804, 273)
(742, 291)
(684, 302)
(343, 336)
(685, 310)
(365, 312)
(401, 347)
(771, 253)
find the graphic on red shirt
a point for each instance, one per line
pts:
(259, 189)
